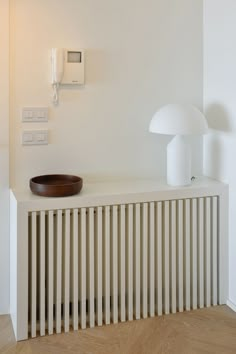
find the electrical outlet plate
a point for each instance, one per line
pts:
(34, 114)
(35, 137)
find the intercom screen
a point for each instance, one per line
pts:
(74, 57)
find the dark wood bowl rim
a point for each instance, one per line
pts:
(42, 180)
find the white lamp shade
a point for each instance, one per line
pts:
(178, 119)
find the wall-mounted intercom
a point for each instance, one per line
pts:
(67, 68)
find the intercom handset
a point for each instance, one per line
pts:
(57, 60)
(67, 68)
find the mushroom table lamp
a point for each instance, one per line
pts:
(178, 120)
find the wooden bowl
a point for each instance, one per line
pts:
(56, 185)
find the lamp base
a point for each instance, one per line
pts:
(178, 162)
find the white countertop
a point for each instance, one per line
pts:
(118, 192)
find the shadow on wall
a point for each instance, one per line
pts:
(217, 143)
(218, 118)
(213, 156)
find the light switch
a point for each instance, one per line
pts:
(42, 137)
(27, 137)
(35, 114)
(35, 137)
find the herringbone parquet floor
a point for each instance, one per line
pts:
(206, 331)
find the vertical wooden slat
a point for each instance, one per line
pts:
(173, 256)
(144, 258)
(223, 246)
(194, 251)
(159, 258)
(151, 260)
(66, 285)
(83, 268)
(200, 252)
(214, 250)
(58, 269)
(166, 257)
(107, 265)
(129, 261)
(42, 273)
(33, 273)
(115, 264)
(208, 252)
(180, 254)
(91, 268)
(187, 253)
(99, 266)
(75, 275)
(122, 263)
(50, 271)
(137, 262)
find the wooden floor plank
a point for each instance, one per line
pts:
(211, 330)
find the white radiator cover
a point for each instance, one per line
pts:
(105, 263)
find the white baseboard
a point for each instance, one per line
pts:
(231, 305)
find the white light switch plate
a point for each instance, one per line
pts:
(35, 114)
(35, 137)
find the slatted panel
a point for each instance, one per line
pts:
(166, 258)
(214, 250)
(151, 260)
(58, 240)
(159, 259)
(144, 259)
(66, 272)
(122, 289)
(106, 270)
(129, 261)
(122, 262)
(137, 267)
(83, 278)
(173, 256)
(99, 266)
(187, 253)
(194, 252)
(50, 256)
(180, 255)
(207, 274)
(115, 264)
(42, 273)
(201, 253)
(75, 275)
(91, 268)
(33, 273)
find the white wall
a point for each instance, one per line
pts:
(139, 55)
(220, 108)
(4, 157)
